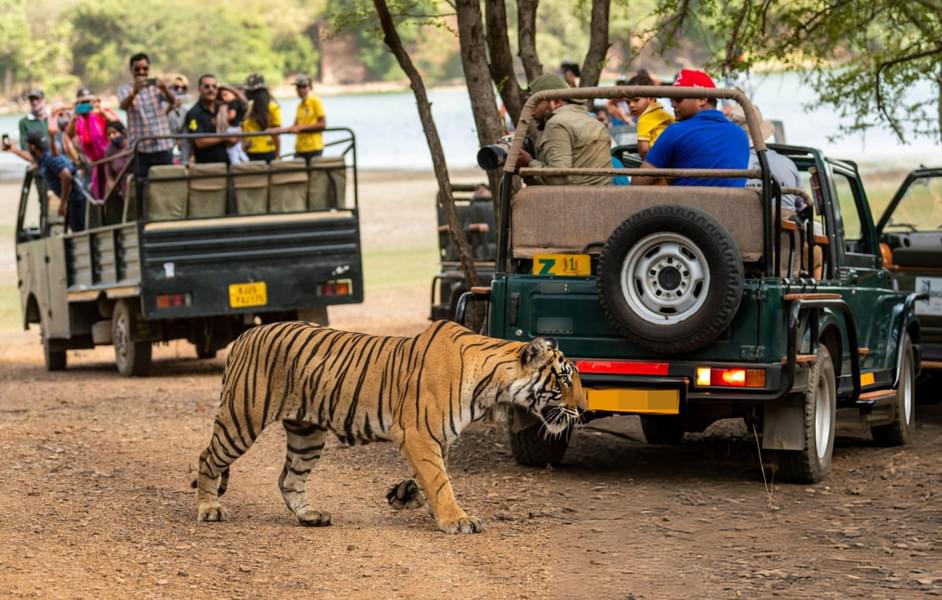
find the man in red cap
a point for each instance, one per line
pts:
(702, 138)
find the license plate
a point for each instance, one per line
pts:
(565, 265)
(248, 294)
(651, 402)
(932, 306)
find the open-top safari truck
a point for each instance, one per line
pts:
(200, 253)
(910, 233)
(690, 304)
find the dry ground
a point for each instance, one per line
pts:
(95, 498)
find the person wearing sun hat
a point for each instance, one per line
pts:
(309, 121)
(87, 130)
(263, 114)
(702, 138)
(571, 138)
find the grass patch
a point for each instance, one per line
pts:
(399, 268)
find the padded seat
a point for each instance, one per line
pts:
(563, 218)
(289, 186)
(166, 193)
(328, 184)
(207, 195)
(250, 180)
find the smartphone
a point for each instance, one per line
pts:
(83, 108)
(150, 81)
(5, 140)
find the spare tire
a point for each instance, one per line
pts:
(670, 279)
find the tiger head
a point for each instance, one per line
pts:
(549, 387)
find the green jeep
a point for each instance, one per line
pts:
(910, 232)
(686, 305)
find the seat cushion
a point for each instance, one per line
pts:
(543, 218)
(166, 193)
(207, 194)
(328, 183)
(289, 186)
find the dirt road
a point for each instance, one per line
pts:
(95, 502)
(95, 499)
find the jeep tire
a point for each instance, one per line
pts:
(132, 357)
(899, 431)
(530, 448)
(670, 279)
(819, 408)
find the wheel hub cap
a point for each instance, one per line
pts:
(665, 278)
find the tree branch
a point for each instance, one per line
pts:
(526, 38)
(394, 43)
(881, 67)
(598, 44)
(501, 57)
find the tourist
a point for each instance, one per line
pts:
(309, 121)
(263, 114)
(144, 102)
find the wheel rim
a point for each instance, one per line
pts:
(822, 416)
(120, 340)
(906, 388)
(665, 278)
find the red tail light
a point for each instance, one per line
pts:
(621, 367)
(726, 377)
(339, 287)
(173, 300)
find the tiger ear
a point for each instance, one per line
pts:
(538, 352)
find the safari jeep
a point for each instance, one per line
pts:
(198, 253)
(910, 233)
(685, 305)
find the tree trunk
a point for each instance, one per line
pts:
(501, 57)
(394, 43)
(938, 81)
(477, 75)
(598, 44)
(526, 38)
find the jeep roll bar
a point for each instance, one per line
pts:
(772, 262)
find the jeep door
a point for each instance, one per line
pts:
(864, 284)
(911, 227)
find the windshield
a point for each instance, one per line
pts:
(920, 208)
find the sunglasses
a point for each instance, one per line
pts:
(209, 86)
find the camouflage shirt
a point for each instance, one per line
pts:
(573, 138)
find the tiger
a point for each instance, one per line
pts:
(417, 392)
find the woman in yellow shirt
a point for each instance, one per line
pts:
(263, 114)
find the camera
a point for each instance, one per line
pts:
(493, 156)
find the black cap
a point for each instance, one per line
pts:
(37, 139)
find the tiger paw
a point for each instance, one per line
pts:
(465, 524)
(405, 494)
(212, 512)
(313, 518)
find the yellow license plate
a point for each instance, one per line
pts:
(566, 265)
(248, 294)
(652, 402)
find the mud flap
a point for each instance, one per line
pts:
(783, 424)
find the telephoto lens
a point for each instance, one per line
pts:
(493, 156)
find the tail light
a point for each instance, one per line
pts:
(174, 300)
(338, 287)
(725, 377)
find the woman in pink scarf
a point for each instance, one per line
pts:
(88, 131)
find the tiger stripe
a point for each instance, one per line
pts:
(417, 392)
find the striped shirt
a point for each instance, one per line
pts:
(147, 117)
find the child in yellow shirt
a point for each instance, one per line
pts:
(652, 118)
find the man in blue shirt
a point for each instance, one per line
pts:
(702, 138)
(59, 175)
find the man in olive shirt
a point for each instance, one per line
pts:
(572, 138)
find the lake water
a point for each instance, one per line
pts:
(389, 135)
